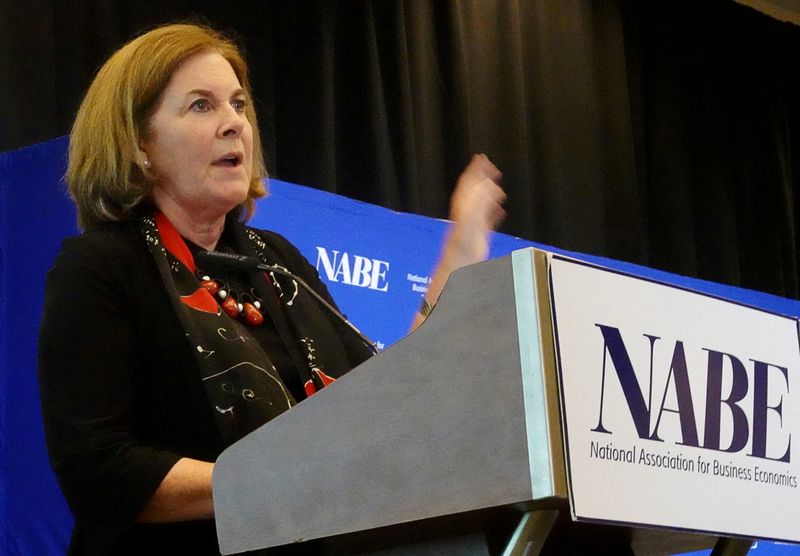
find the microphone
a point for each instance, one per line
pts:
(246, 263)
(227, 261)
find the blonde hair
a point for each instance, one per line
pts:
(104, 175)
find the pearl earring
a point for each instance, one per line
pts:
(146, 163)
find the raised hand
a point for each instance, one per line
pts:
(476, 208)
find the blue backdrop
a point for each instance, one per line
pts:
(376, 263)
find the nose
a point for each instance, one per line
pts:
(233, 123)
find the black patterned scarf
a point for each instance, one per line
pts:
(243, 386)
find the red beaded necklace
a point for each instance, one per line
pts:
(234, 304)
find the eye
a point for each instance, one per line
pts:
(239, 104)
(200, 105)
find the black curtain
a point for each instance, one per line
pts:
(657, 132)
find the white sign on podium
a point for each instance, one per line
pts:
(680, 410)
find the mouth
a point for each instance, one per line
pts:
(229, 160)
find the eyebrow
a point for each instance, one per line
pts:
(207, 93)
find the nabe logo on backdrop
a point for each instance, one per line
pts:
(753, 421)
(353, 270)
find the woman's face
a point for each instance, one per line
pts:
(199, 142)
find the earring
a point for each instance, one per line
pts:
(146, 163)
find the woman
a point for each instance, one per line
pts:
(149, 365)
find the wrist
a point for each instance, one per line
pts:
(463, 245)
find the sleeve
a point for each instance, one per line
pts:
(357, 352)
(87, 362)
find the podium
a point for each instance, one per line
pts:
(449, 437)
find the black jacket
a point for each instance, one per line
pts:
(121, 394)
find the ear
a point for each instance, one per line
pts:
(143, 161)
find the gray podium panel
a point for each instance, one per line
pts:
(433, 426)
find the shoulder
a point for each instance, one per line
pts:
(117, 246)
(285, 253)
(272, 238)
(278, 243)
(110, 238)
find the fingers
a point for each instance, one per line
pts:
(487, 199)
(495, 213)
(476, 208)
(478, 197)
(492, 191)
(479, 168)
(481, 163)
